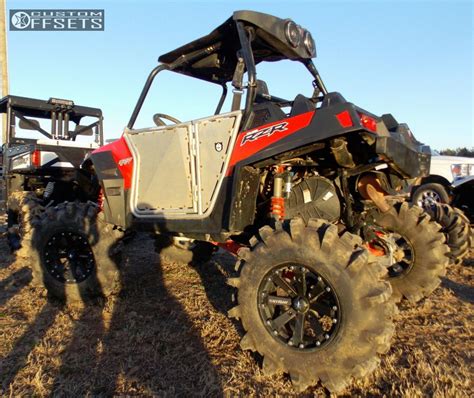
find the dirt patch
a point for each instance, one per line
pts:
(166, 333)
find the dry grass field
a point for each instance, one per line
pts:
(165, 333)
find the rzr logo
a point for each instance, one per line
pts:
(124, 162)
(265, 132)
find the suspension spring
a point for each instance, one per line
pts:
(278, 207)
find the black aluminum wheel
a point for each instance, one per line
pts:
(399, 250)
(404, 255)
(68, 257)
(299, 308)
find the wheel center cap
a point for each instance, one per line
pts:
(301, 304)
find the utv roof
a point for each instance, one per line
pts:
(270, 43)
(43, 108)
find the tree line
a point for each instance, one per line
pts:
(467, 152)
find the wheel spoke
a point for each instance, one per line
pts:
(298, 333)
(404, 261)
(282, 284)
(283, 319)
(301, 285)
(275, 300)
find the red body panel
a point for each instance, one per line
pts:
(250, 142)
(344, 119)
(122, 157)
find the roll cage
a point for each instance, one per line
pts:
(235, 48)
(61, 112)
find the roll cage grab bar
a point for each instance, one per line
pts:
(246, 35)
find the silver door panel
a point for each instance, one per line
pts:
(179, 169)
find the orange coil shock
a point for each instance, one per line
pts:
(278, 207)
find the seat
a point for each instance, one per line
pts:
(332, 99)
(264, 110)
(301, 104)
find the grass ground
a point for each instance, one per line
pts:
(165, 333)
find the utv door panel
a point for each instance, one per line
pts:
(215, 137)
(163, 181)
(179, 169)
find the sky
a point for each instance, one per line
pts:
(413, 59)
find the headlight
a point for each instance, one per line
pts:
(309, 44)
(462, 170)
(292, 33)
(21, 162)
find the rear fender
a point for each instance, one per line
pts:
(113, 166)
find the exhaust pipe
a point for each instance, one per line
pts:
(341, 153)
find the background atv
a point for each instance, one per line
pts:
(46, 144)
(296, 182)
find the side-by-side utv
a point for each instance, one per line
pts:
(306, 185)
(42, 156)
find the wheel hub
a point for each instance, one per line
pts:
(299, 307)
(68, 257)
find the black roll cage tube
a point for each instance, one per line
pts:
(15, 113)
(246, 35)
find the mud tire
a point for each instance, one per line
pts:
(429, 250)
(104, 242)
(455, 227)
(366, 325)
(22, 207)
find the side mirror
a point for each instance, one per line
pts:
(83, 130)
(30, 125)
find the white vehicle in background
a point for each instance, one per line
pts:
(444, 172)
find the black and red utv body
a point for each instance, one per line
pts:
(203, 176)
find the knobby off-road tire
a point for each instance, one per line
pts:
(455, 227)
(73, 253)
(428, 251)
(358, 301)
(185, 252)
(22, 206)
(471, 230)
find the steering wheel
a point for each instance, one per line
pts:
(158, 116)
